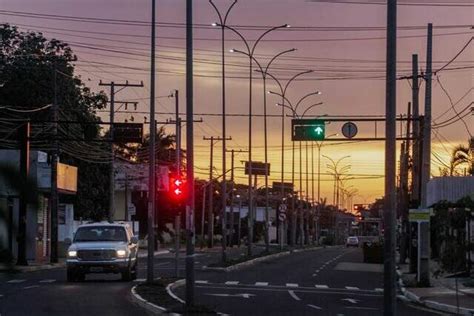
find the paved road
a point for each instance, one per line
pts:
(331, 281)
(48, 293)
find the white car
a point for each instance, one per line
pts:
(352, 241)
(103, 247)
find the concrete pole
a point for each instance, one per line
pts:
(424, 252)
(390, 207)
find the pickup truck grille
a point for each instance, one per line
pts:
(96, 255)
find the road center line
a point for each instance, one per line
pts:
(314, 306)
(364, 308)
(30, 287)
(293, 295)
(16, 281)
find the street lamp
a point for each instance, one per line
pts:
(295, 115)
(223, 21)
(334, 167)
(250, 53)
(264, 72)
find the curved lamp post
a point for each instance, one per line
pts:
(250, 53)
(263, 70)
(295, 115)
(222, 22)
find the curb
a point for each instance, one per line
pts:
(24, 269)
(140, 301)
(171, 286)
(254, 261)
(413, 298)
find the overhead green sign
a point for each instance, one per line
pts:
(314, 131)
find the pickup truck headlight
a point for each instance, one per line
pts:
(121, 253)
(72, 253)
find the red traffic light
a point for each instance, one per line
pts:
(177, 188)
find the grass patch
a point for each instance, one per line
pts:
(231, 262)
(156, 293)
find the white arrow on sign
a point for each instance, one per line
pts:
(318, 130)
(350, 300)
(243, 295)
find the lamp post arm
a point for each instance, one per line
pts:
(239, 35)
(305, 97)
(263, 35)
(277, 81)
(310, 107)
(276, 56)
(293, 78)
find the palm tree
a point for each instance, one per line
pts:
(463, 155)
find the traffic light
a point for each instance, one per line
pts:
(177, 188)
(311, 132)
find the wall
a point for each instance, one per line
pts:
(449, 188)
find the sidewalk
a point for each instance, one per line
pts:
(442, 294)
(32, 266)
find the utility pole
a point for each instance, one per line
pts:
(232, 167)
(424, 272)
(416, 172)
(404, 198)
(151, 167)
(190, 236)
(416, 176)
(178, 134)
(390, 162)
(54, 173)
(294, 218)
(210, 225)
(300, 204)
(112, 86)
(24, 135)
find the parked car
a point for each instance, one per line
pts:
(102, 247)
(352, 241)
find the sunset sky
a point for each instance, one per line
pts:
(343, 43)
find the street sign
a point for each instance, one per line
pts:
(419, 215)
(349, 130)
(282, 217)
(258, 168)
(287, 187)
(128, 132)
(308, 129)
(282, 208)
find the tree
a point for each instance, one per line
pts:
(33, 70)
(462, 156)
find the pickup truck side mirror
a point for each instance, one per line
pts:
(134, 240)
(68, 241)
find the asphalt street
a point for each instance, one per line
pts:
(47, 292)
(331, 281)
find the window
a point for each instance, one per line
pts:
(100, 233)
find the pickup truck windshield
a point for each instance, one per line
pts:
(100, 233)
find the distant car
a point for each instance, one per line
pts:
(103, 247)
(352, 241)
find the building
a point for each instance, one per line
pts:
(38, 216)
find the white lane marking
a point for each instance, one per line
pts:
(30, 287)
(243, 295)
(352, 288)
(231, 282)
(202, 281)
(321, 286)
(314, 306)
(16, 281)
(350, 300)
(47, 281)
(293, 295)
(1, 295)
(139, 280)
(364, 308)
(291, 285)
(378, 290)
(317, 271)
(261, 283)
